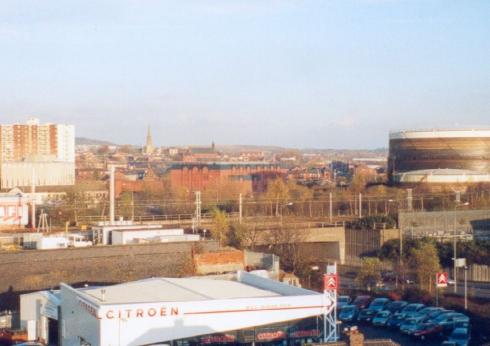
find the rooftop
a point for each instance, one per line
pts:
(442, 133)
(176, 290)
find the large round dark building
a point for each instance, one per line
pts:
(439, 156)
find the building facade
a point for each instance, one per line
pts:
(246, 176)
(33, 140)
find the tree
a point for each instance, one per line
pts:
(126, 205)
(237, 235)
(370, 222)
(425, 261)
(285, 242)
(370, 272)
(302, 195)
(103, 150)
(358, 183)
(219, 227)
(278, 193)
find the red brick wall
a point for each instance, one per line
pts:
(200, 178)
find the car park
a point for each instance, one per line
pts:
(381, 318)
(342, 301)
(361, 302)
(459, 337)
(348, 313)
(415, 319)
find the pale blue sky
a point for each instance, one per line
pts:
(323, 74)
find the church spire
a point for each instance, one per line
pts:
(149, 148)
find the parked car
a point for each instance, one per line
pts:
(362, 302)
(409, 325)
(365, 315)
(395, 320)
(381, 318)
(451, 321)
(395, 306)
(378, 304)
(427, 310)
(435, 313)
(427, 330)
(459, 337)
(440, 315)
(411, 310)
(348, 313)
(342, 301)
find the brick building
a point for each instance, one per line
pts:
(246, 176)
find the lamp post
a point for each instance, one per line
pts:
(454, 245)
(466, 287)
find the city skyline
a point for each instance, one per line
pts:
(313, 74)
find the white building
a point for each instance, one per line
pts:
(163, 310)
(41, 173)
(14, 210)
(137, 236)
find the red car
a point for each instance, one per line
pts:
(427, 330)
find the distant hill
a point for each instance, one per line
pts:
(89, 141)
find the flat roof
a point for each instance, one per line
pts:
(175, 290)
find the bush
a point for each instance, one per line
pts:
(414, 294)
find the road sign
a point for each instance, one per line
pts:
(330, 282)
(441, 279)
(460, 262)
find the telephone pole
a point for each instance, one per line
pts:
(112, 193)
(198, 208)
(240, 208)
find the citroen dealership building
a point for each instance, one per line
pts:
(249, 309)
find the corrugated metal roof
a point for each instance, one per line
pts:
(176, 290)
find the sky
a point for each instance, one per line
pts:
(304, 74)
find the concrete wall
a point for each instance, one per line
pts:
(361, 241)
(43, 269)
(321, 244)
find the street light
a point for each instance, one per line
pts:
(454, 244)
(313, 268)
